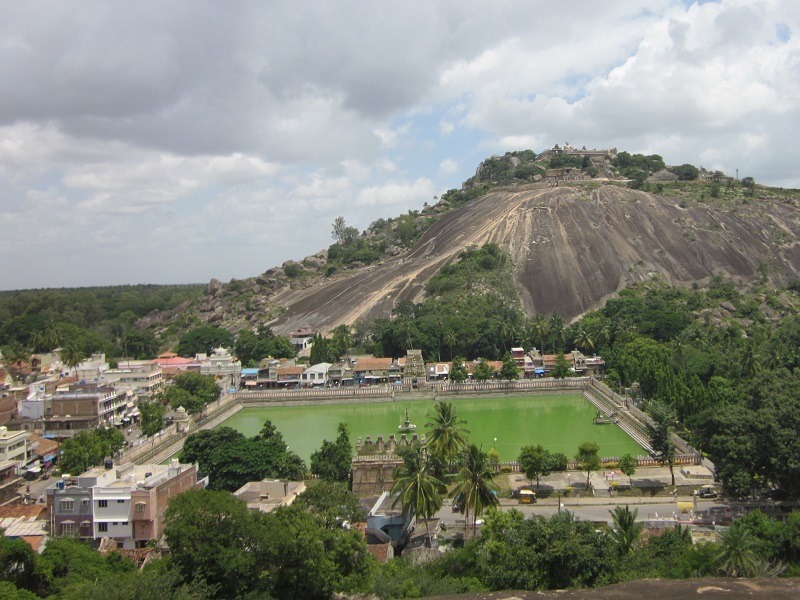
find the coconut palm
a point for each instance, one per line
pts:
(450, 339)
(539, 330)
(343, 338)
(751, 361)
(72, 356)
(475, 488)
(557, 330)
(446, 433)
(737, 554)
(583, 340)
(418, 492)
(626, 530)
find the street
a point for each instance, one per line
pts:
(594, 509)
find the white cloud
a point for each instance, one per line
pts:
(447, 167)
(397, 193)
(188, 130)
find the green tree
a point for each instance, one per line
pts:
(686, 172)
(333, 503)
(343, 339)
(211, 536)
(332, 461)
(737, 556)
(509, 370)
(535, 462)
(88, 449)
(72, 356)
(588, 459)
(17, 562)
(483, 371)
(446, 433)
(458, 373)
(418, 492)
(561, 368)
(204, 339)
(199, 446)
(193, 391)
(584, 340)
(152, 417)
(141, 343)
(626, 530)
(627, 464)
(475, 489)
(660, 429)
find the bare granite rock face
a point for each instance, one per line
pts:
(572, 248)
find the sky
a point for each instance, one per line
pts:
(176, 142)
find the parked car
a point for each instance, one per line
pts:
(706, 491)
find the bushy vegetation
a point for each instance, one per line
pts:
(192, 391)
(231, 459)
(89, 449)
(95, 319)
(351, 249)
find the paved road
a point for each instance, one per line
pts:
(595, 509)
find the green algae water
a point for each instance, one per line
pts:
(560, 423)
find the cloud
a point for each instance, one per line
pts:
(447, 167)
(228, 140)
(397, 193)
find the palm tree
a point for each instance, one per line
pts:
(450, 339)
(72, 356)
(556, 327)
(343, 338)
(540, 329)
(751, 361)
(602, 332)
(583, 340)
(475, 487)
(417, 490)
(14, 355)
(737, 555)
(626, 530)
(447, 435)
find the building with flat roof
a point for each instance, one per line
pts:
(14, 446)
(124, 503)
(269, 494)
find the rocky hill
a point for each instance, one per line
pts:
(572, 246)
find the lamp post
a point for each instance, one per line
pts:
(495, 444)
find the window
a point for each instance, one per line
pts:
(67, 505)
(85, 502)
(120, 501)
(68, 528)
(102, 527)
(140, 506)
(102, 503)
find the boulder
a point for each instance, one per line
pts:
(213, 287)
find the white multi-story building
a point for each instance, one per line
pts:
(14, 447)
(222, 365)
(315, 375)
(126, 503)
(143, 378)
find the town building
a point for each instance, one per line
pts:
(222, 365)
(171, 364)
(124, 503)
(315, 375)
(269, 494)
(143, 378)
(302, 339)
(14, 447)
(10, 480)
